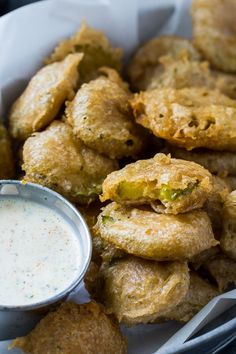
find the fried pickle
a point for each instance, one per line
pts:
(58, 160)
(190, 118)
(7, 169)
(214, 32)
(43, 97)
(138, 291)
(101, 116)
(155, 236)
(199, 294)
(171, 185)
(222, 270)
(221, 163)
(228, 237)
(72, 328)
(97, 51)
(145, 62)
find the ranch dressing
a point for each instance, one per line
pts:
(39, 253)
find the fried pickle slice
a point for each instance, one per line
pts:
(43, 97)
(222, 270)
(171, 185)
(138, 291)
(58, 160)
(160, 237)
(73, 328)
(214, 32)
(7, 169)
(228, 237)
(190, 118)
(101, 116)
(199, 294)
(97, 51)
(221, 163)
(145, 62)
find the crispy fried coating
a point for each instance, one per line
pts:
(58, 160)
(102, 251)
(7, 169)
(199, 294)
(97, 51)
(145, 62)
(214, 32)
(42, 99)
(221, 163)
(101, 116)
(190, 118)
(175, 186)
(228, 237)
(72, 328)
(222, 270)
(138, 291)
(181, 73)
(160, 237)
(214, 204)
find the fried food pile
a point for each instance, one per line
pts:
(151, 167)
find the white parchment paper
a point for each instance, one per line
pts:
(28, 35)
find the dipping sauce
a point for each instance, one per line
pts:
(40, 254)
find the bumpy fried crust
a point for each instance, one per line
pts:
(217, 162)
(214, 204)
(146, 60)
(190, 117)
(228, 238)
(181, 73)
(6, 155)
(175, 185)
(102, 251)
(214, 32)
(222, 270)
(72, 328)
(139, 291)
(199, 294)
(58, 160)
(101, 117)
(96, 48)
(155, 236)
(43, 97)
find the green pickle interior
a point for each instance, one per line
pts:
(135, 191)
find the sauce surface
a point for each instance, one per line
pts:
(39, 253)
